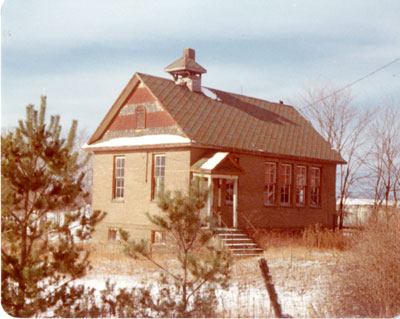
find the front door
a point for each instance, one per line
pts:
(224, 203)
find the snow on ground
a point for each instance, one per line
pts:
(300, 285)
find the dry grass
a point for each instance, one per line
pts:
(298, 272)
(299, 280)
(317, 272)
(367, 280)
(321, 238)
(313, 242)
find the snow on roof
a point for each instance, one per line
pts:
(209, 93)
(141, 140)
(214, 160)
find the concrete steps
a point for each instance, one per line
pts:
(239, 243)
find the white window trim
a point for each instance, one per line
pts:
(115, 231)
(267, 185)
(119, 189)
(156, 185)
(317, 187)
(284, 185)
(301, 186)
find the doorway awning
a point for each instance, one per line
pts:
(217, 166)
(219, 163)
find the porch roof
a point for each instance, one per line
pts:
(219, 163)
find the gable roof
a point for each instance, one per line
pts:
(217, 163)
(232, 121)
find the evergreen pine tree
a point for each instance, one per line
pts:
(204, 264)
(41, 257)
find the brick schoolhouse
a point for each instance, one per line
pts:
(266, 164)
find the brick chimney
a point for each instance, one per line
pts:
(186, 71)
(189, 53)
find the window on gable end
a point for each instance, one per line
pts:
(140, 113)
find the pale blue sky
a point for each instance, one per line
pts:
(81, 54)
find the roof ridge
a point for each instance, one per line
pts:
(222, 91)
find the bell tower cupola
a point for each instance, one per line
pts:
(186, 71)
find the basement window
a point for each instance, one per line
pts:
(158, 237)
(112, 234)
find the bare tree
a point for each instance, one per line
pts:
(385, 156)
(343, 126)
(396, 188)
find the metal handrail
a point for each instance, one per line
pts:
(222, 221)
(248, 222)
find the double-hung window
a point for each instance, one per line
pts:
(315, 186)
(286, 183)
(301, 184)
(119, 172)
(158, 175)
(270, 184)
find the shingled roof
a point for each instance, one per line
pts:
(232, 122)
(240, 122)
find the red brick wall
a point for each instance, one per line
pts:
(158, 119)
(153, 119)
(155, 116)
(251, 194)
(140, 95)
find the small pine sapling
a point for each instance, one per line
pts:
(204, 265)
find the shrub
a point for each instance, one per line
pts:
(367, 280)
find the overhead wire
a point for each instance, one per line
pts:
(351, 84)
